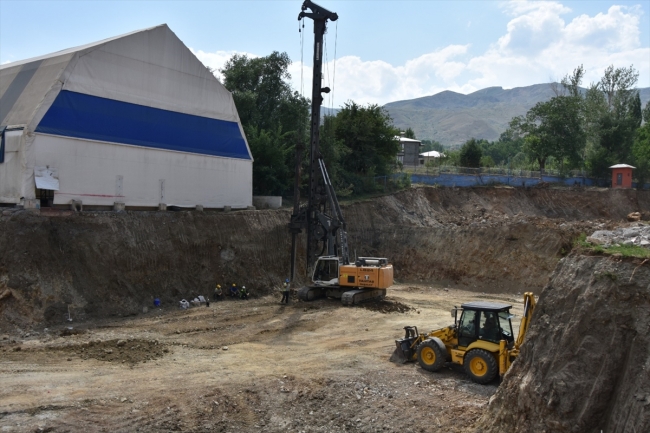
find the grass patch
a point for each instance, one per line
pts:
(629, 251)
(622, 250)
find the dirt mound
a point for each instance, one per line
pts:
(584, 366)
(385, 306)
(129, 351)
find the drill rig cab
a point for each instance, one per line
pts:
(367, 278)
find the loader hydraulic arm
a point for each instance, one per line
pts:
(529, 308)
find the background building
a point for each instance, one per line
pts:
(622, 175)
(409, 153)
(135, 119)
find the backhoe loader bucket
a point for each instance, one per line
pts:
(404, 347)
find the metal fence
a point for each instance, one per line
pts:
(503, 171)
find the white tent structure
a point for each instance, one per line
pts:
(430, 155)
(135, 119)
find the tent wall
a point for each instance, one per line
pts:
(100, 173)
(136, 118)
(10, 169)
(84, 116)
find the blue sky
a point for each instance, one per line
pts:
(386, 50)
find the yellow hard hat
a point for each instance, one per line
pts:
(218, 285)
(233, 284)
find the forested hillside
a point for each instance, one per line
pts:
(453, 118)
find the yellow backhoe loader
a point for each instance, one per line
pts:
(482, 340)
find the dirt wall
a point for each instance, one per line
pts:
(584, 366)
(104, 263)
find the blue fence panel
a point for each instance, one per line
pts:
(464, 180)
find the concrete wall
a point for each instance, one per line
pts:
(267, 201)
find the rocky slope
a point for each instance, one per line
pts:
(585, 366)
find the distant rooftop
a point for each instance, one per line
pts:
(406, 140)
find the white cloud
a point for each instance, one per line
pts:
(218, 59)
(379, 82)
(537, 44)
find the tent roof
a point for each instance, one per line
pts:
(149, 67)
(621, 166)
(432, 154)
(73, 49)
(406, 140)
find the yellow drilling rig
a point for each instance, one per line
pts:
(328, 258)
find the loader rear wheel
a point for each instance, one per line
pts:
(431, 356)
(480, 366)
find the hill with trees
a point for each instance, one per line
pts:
(452, 118)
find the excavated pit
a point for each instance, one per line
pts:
(58, 265)
(585, 366)
(68, 363)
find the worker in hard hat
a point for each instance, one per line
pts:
(243, 294)
(218, 293)
(285, 292)
(234, 290)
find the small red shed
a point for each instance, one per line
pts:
(622, 176)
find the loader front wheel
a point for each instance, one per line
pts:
(431, 356)
(480, 365)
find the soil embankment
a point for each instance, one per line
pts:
(98, 264)
(584, 366)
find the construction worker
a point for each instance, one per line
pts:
(218, 293)
(243, 294)
(234, 291)
(490, 329)
(285, 292)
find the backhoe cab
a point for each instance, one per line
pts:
(481, 340)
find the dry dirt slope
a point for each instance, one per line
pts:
(585, 366)
(104, 263)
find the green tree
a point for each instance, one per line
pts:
(487, 161)
(274, 117)
(504, 149)
(262, 93)
(369, 134)
(429, 145)
(271, 174)
(612, 116)
(646, 112)
(334, 152)
(641, 149)
(553, 128)
(470, 154)
(409, 133)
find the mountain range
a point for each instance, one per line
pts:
(453, 118)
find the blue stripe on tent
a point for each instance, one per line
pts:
(83, 116)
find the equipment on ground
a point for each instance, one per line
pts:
(327, 244)
(482, 340)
